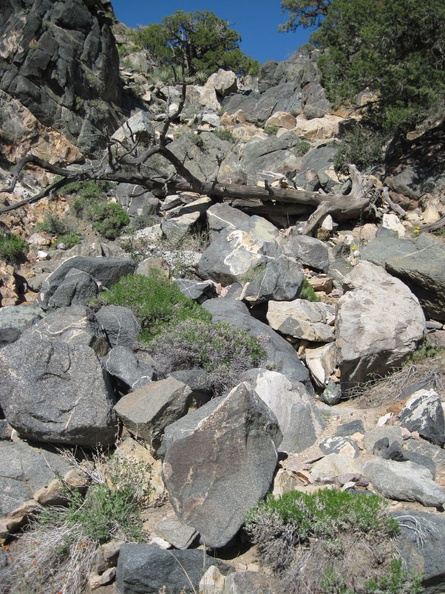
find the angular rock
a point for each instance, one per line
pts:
(225, 82)
(177, 534)
(423, 413)
(281, 280)
(311, 252)
(77, 288)
(372, 339)
(120, 325)
(404, 481)
(302, 319)
(420, 543)
(149, 569)
(393, 434)
(149, 409)
(340, 445)
(24, 469)
(122, 364)
(321, 362)
(278, 350)
(19, 316)
(199, 291)
(222, 468)
(235, 253)
(56, 392)
(223, 216)
(74, 325)
(334, 465)
(295, 410)
(107, 271)
(331, 395)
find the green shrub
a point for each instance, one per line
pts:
(12, 248)
(69, 239)
(155, 300)
(307, 292)
(52, 224)
(220, 349)
(271, 130)
(330, 542)
(361, 146)
(58, 551)
(108, 218)
(302, 148)
(223, 134)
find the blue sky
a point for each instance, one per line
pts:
(255, 20)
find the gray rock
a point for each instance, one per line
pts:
(9, 335)
(404, 481)
(281, 280)
(271, 154)
(350, 428)
(423, 270)
(122, 364)
(24, 469)
(19, 316)
(430, 451)
(56, 392)
(235, 253)
(392, 433)
(298, 418)
(420, 543)
(339, 445)
(149, 569)
(223, 467)
(199, 291)
(423, 413)
(279, 351)
(120, 325)
(331, 395)
(384, 247)
(223, 216)
(74, 325)
(149, 409)
(309, 251)
(317, 159)
(372, 339)
(77, 288)
(107, 271)
(301, 319)
(178, 535)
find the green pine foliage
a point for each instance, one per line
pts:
(195, 43)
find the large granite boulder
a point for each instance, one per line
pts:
(223, 465)
(379, 322)
(56, 392)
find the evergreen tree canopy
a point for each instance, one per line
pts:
(198, 42)
(395, 48)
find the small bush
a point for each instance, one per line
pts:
(271, 130)
(155, 300)
(307, 292)
(220, 349)
(58, 551)
(52, 224)
(329, 542)
(223, 134)
(360, 146)
(12, 248)
(69, 239)
(108, 218)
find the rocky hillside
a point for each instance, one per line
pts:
(201, 305)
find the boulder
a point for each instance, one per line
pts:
(77, 288)
(271, 154)
(53, 391)
(309, 251)
(404, 481)
(122, 364)
(372, 339)
(149, 569)
(225, 82)
(74, 325)
(150, 408)
(119, 324)
(235, 253)
(24, 469)
(223, 466)
(423, 413)
(199, 291)
(106, 271)
(298, 417)
(20, 316)
(281, 279)
(420, 544)
(302, 319)
(321, 362)
(279, 351)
